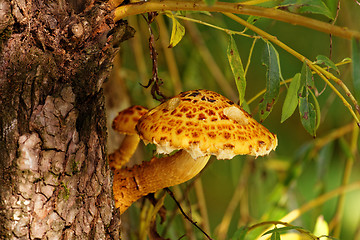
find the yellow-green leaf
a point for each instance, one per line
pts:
(177, 32)
(237, 68)
(321, 59)
(321, 227)
(291, 99)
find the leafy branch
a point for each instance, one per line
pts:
(251, 100)
(238, 8)
(246, 8)
(325, 75)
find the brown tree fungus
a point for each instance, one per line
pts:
(130, 184)
(125, 123)
(199, 123)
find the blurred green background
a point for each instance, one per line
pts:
(264, 189)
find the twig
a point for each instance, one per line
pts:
(294, 214)
(155, 81)
(238, 8)
(228, 31)
(169, 56)
(185, 215)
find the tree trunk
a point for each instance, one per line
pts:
(55, 181)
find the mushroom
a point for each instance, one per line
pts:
(198, 123)
(125, 123)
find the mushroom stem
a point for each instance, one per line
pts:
(130, 184)
(123, 154)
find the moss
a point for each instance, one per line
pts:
(66, 192)
(75, 166)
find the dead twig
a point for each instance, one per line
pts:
(155, 82)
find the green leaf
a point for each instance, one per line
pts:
(355, 44)
(251, 19)
(240, 233)
(177, 32)
(291, 99)
(321, 59)
(317, 7)
(210, 2)
(245, 106)
(317, 110)
(321, 227)
(283, 229)
(306, 77)
(275, 236)
(270, 59)
(346, 59)
(237, 68)
(308, 6)
(307, 115)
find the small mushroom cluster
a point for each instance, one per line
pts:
(125, 123)
(198, 124)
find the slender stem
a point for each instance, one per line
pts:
(185, 215)
(238, 8)
(345, 180)
(264, 90)
(228, 31)
(138, 52)
(294, 214)
(283, 224)
(249, 58)
(340, 83)
(317, 70)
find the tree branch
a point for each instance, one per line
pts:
(272, 13)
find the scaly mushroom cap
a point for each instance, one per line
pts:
(127, 119)
(203, 122)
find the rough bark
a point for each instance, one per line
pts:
(55, 182)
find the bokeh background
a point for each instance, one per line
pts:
(244, 191)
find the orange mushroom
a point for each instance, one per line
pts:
(125, 123)
(199, 124)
